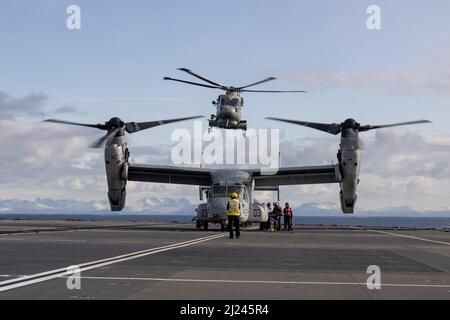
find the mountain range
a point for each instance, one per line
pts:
(182, 206)
(150, 205)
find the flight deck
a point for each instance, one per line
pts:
(136, 260)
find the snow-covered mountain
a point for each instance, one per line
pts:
(181, 206)
(319, 209)
(151, 205)
(12, 205)
(158, 206)
(333, 209)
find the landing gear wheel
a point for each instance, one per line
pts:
(205, 226)
(223, 226)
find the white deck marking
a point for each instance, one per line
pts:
(411, 237)
(58, 273)
(268, 282)
(63, 240)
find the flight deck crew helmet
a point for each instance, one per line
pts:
(287, 204)
(234, 195)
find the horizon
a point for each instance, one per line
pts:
(311, 209)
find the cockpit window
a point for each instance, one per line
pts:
(219, 191)
(223, 191)
(233, 102)
(237, 189)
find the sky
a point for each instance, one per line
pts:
(114, 66)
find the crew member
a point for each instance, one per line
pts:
(287, 211)
(234, 214)
(269, 212)
(277, 212)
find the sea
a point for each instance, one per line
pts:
(388, 222)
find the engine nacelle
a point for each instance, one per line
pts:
(348, 203)
(349, 165)
(116, 164)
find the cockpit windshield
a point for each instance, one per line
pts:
(237, 189)
(226, 191)
(219, 191)
(233, 102)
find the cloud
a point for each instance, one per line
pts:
(48, 160)
(400, 153)
(388, 153)
(31, 105)
(36, 154)
(64, 110)
(399, 167)
(397, 81)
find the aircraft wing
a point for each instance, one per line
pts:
(172, 175)
(203, 177)
(298, 175)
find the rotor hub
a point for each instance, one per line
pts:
(351, 124)
(115, 123)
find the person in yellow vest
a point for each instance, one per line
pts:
(234, 215)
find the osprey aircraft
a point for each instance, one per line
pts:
(229, 105)
(218, 184)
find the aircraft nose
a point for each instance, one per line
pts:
(218, 206)
(230, 112)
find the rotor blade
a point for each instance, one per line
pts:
(101, 141)
(133, 127)
(194, 83)
(370, 127)
(332, 128)
(202, 78)
(256, 83)
(97, 126)
(275, 91)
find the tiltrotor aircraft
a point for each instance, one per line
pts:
(218, 184)
(349, 154)
(229, 105)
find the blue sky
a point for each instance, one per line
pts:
(125, 48)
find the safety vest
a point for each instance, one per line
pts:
(288, 212)
(234, 208)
